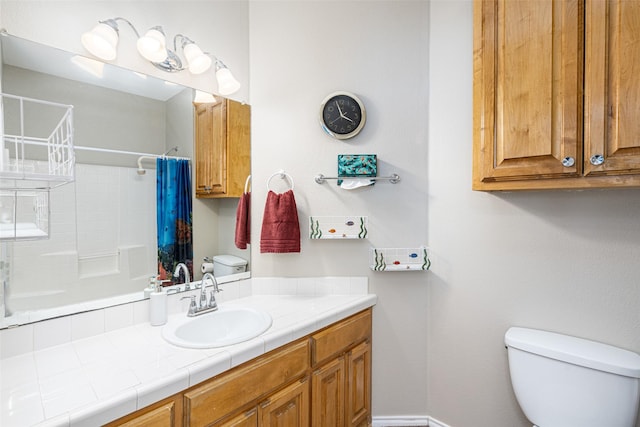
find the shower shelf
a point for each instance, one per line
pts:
(400, 259)
(36, 155)
(37, 143)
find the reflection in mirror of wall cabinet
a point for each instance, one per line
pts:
(222, 148)
(532, 129)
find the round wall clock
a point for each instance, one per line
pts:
(342, 115)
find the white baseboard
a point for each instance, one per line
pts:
(418, 421)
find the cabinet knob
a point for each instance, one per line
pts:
(597, 159)
(567, 162)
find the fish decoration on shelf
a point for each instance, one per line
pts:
(338, 227)
(404, 259)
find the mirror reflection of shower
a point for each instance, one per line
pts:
(141, 170)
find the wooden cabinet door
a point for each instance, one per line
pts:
(211, 150)
(528, 62)
(328, 395)
(359, 385)
(612, 88)
(288, 407)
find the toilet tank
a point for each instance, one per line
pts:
(562, 381)
(224, 265)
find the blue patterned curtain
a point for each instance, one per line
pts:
(173, 197)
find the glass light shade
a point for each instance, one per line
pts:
(198, 62)
(227, 84)
(101, 41)
(152, 46)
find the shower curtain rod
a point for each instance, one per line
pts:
(132, 153)
(108, 150)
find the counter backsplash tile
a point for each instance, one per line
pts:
(47, 333)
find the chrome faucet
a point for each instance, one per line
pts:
(196, 309)
(187, 277)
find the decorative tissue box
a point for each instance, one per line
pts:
(357, 165)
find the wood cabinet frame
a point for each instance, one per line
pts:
(533, 62)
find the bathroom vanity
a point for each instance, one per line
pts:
(311, 367)
(323, 379)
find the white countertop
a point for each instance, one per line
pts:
(98, 379)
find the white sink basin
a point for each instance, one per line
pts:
(226, 326)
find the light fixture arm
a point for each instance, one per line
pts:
(185, 41)
(113, 23)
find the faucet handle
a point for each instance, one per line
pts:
(193, 308)
(203, 298)
(212, 299)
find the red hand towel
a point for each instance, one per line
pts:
(243, 221)
(280, 226)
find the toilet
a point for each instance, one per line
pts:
(564, 381)
(224, 265)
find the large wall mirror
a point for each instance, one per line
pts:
(102, 245)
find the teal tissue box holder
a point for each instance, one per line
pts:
(357, 165)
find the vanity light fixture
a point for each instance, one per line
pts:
(102, 41)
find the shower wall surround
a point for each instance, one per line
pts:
(102, 242)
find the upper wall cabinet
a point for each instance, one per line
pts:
(556, 94)
(222, 148)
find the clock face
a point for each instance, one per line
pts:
(342, 115)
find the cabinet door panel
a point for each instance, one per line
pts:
(287, 408)
(328, 395)
(612, 87)
(359, 385)
(211, 150)
(527, 89)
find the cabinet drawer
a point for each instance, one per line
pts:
(166, 413)
(338, 338)
(219, 397)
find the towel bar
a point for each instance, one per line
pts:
(394, 179)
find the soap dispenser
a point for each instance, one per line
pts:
(151, 287)
(158, 306)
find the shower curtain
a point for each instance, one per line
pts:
(173, 196)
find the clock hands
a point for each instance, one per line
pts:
(342, 114)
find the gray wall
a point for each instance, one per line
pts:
(300, 52)
(564, 261)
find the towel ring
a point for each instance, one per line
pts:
(246, 183)
(282, 174)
